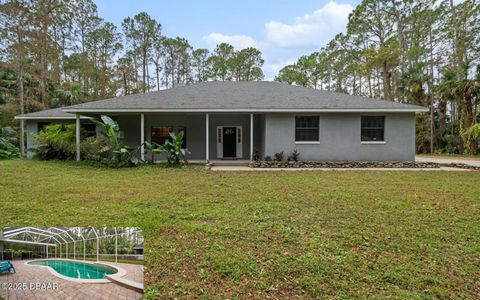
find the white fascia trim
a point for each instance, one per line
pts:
(308, 143)
(51, 118)
(373, 143)
(242, 110)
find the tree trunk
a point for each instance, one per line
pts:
(21, 59)
(431, 92)
(144, 75)
(442, 109)
(387, 88)
(469, 121)
(157, 71)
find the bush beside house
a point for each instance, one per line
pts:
(57, 142)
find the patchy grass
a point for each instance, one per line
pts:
(278, 235)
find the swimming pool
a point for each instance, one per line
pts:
(77, 270)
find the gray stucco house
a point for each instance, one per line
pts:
(232, 120)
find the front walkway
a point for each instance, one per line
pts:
(475, 162)
(40, 284)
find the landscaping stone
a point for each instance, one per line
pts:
(356, 164)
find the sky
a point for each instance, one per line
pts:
(282, 29)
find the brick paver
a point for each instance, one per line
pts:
(27, 276)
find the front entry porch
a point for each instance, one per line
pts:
(208, 136)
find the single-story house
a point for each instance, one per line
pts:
(234, 120)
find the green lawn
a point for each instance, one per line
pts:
(280, 234)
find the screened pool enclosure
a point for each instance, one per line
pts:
(80, 243)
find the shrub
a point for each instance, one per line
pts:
(472, 137)
(122, 156)
(98, 149)
(256, 156)
(173, 149)
(56, 142)
(8, 143)
(278, 156)
(294, 155)
(268, 158)
(448, 143)
(153, 148)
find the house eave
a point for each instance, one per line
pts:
(49, 118)
(241, 110)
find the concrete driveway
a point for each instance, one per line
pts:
(448, 160)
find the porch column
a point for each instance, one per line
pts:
(251, 137)
(77, 136)
(207, 119)
(142, 136)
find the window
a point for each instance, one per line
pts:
(373, 129)
(160, 134)
(307, 128)
(42, 125)
(89, 130)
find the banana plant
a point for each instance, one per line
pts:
(173, 149)
(123, 156)
(111, 130)
(153, 148)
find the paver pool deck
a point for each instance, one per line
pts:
(65, 289)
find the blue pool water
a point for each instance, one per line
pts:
(75, 269)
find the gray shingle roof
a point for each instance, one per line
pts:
(230, 96)
(56, 113)
(247, 96)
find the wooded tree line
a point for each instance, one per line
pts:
(60, 52)
(424, 52)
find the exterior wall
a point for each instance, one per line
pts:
(31, 128)
(275, 132)
(340, 138)
(259, 134)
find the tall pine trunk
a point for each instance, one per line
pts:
(21, 59)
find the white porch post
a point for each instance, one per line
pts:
(207, 119)
(142, 136)
(77, 136)
(251, 137)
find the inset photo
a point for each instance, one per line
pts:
(73, 262)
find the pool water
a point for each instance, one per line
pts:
(75, 269)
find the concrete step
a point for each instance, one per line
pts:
(229, 162)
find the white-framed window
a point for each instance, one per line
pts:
(373, 129)
(307, 128)
(160, 134)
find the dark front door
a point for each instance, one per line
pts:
(229, 142)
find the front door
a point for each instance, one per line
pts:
(229, 142)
